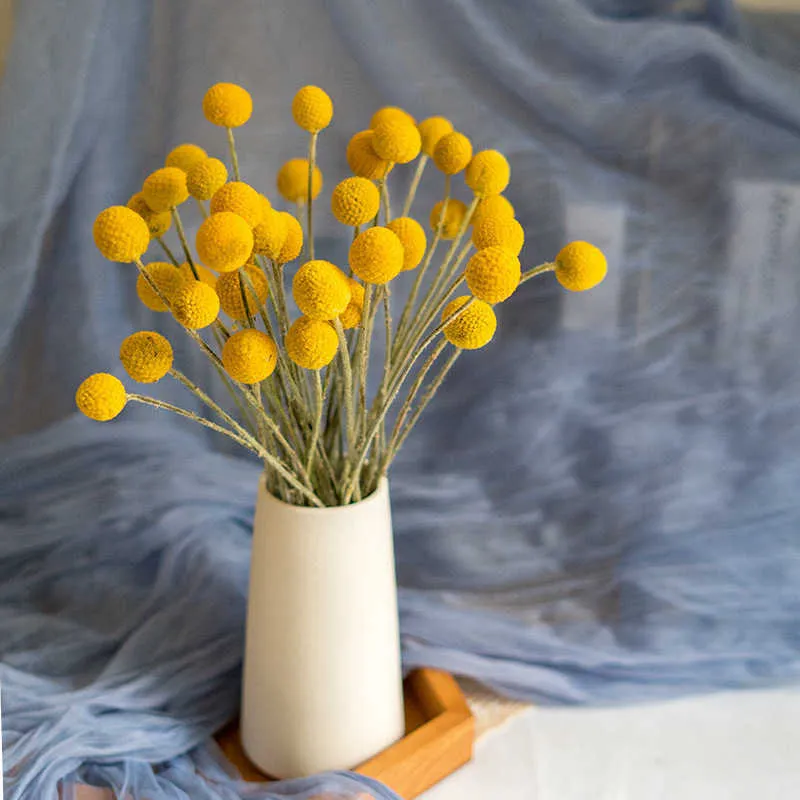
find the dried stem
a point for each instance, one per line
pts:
(412, 189)
(312, 160)
(234, 156)
(184, 243)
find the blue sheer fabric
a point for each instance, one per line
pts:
(601, 507)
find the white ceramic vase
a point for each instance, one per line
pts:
(322, 686)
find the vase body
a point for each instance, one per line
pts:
(322, 685)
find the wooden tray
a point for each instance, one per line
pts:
(440, 732)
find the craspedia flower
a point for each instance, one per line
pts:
(249, 356)
(265, 204)
(224, 241)
(320, 290)
(390, 114)
(493, 274)
(241, 199)
(158, 222)
(165, 188)
(227, 105)
(488, 173)
(431, 130)
(293, 180)
(363, 160)
(351, 316)
(205, 178)
(196, 305)
(185, 156)
(580, 266)
(452, 153)
(312, 109)
(396, 140)
(495, 205)
(229, 290)
(311, 343)
(203, 273)
(168, 278)
(146, 356)
(101, 397)
(376, 255)
(499, 230)
(452, 220)
(355, 201)
(269, 235)
(474, 327)
(412, 236)
(121, 234)
(293, 243)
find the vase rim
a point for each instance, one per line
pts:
(381, 489)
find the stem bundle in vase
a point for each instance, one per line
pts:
(304, 404)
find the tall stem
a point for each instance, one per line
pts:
(320, 399)
(184, 243)
(169, 254)
(347, 377)
(312, 159)
(202, 207)
(412, 189)
(234, 157)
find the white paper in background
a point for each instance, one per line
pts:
(602, 225)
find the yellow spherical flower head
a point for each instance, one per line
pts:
(493, 274)
(488, 173)
(452, 220)
(165, 188)
(121, 234)
(412, 236)
(396, 140)
(229, 290)
(452, 153)
(355, 201)
(495, 205)
(376, 255)
(227, 105)
(580, 266)
(312, 109)
(167, 278)
(293, 243)
(269, 235)
(224, 241)
(158, 222)
(363, 160)
(205, 178)
(101, 397)
(311, 343)
(351, 316)
(390, 114)
(185, 156)
(431, 130)
(265, 204)
(203, 273)
(474, 327)
(146, 356)
(503, 231)
(196, 305)
(320, 290)
(249, 356)
(241, 199)
(293, 180)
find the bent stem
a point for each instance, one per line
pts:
(548, 266)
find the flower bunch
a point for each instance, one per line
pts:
(300, 385)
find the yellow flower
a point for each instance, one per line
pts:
(493, 274)
(495, 205)
(196, 305)
(293, 244)
(166, 277)
(499, 230)
(580, 266)
(453, 217)
(311, 343)
(312, 109)
(396, 140)
(203, 273)
(472, 329)
(363, 160)
(452, 153)
(376, 255)
(146, 356)
(242, 199)
(249, 356)
(488, 173)
(227, 105)
(121, 234)
(185, 156)
(269, 235)
(390, 114)
(293, 180)
(412, 237)
(320, 290)
(165, 188)
(351, 316)
(158, 222)
(101, 397)
(265, 204)
(431, 130)
(355, 201)
(224, 241)
(206, 177)
(229, 289)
